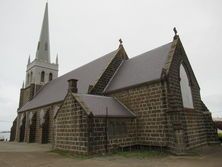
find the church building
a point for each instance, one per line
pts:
(114, 102)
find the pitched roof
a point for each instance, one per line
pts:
(99, 104)
(56, 90)
(140, 69)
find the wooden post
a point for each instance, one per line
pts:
(106, 130)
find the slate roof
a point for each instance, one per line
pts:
(98, 104)
(56, 90)
(140, 69)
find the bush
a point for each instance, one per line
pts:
(220, 136)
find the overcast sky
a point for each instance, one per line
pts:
(83, 30)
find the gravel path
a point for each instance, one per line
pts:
(36, 155)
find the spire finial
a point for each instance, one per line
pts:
(29, 60)
(23, 85)
(57, 61)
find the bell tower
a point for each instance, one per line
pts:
(41, 70)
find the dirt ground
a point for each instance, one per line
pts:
(35, 155)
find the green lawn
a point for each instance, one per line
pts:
(140, 154)
(220, 136)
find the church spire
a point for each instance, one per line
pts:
(43, 49)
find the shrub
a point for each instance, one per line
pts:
(220, 136)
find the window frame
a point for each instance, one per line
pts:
(187, 103)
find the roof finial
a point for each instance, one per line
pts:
(23, 85)
(175, 33)
(120, 41)
(175, 30)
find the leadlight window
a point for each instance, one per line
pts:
(28, 79)
(116, 128)
(42, 76)
(31, 77)
(46, 46)
(185, 88)
(50, 76)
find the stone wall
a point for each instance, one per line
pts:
(13, 130)
(101, 140)
(211, 129)
(21, 127)
(148, 102)
(38, 130)
(186, 127)
(195, 128)
(82, 133)
(109, 72)
(27, 93)
(71, 128)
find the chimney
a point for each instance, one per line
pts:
(72, 85)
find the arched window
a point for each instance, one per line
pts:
(42, 76)
(31, 77)
(50, 76)
(28, 78)
(46, 46)
(185, 88)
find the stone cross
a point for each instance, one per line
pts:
(175, 30)
(120, 41)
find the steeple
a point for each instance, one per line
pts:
(43, 48)
(41, 70)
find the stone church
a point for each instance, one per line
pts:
(113, 102)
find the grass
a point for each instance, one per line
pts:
(220, 136)
(69, 154)
(141, 154)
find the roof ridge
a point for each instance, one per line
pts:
(91, 95)
(148, 65)
(150, 51)
(110, 81)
